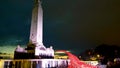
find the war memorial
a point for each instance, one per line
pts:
(36, 55)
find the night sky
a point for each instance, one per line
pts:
(73, 25)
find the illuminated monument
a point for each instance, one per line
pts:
(36, 55)
(35, 48)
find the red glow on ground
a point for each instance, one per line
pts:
(75, 62)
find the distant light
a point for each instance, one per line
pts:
(92, 62)
(61, 52)
(80, 57)
(98, 55)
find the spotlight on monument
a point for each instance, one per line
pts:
(35, 48)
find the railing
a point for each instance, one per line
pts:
(34, 63)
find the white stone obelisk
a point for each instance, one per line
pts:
(35, 46)
(36, 32)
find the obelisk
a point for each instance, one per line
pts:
(36, 32)
(35, 48)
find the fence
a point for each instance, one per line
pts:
(35, 63)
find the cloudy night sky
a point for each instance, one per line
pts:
(73, 25)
